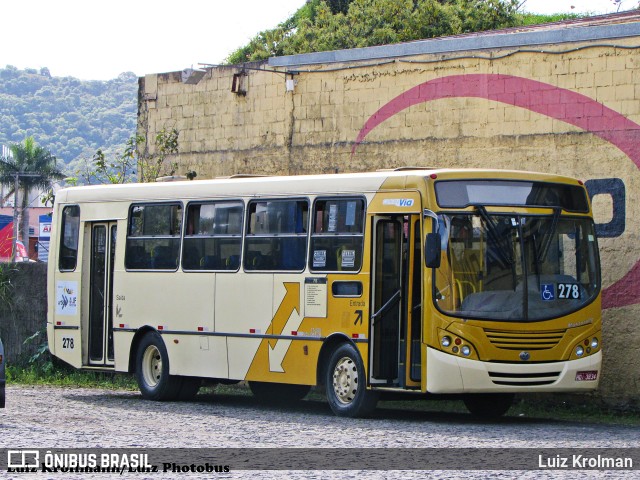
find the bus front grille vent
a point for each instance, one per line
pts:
(524, 379)
(524, 340)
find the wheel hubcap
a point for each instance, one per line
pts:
(152, 366)
(345, 380)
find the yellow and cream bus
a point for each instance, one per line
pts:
(479, 283)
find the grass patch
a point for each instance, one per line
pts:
(42, 368)
(573, 410)
(66, 377)
(538, 407)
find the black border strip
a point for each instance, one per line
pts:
(241, 335)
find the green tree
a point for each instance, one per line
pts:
(29, 167)
(154, 165)
(339, 6)
(323, 25)
(122, 169)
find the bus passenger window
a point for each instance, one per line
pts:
(337, 235)
(69, 238)
(213, 239)
(153, 237)
(276, 235)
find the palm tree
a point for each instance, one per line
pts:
(30, 166)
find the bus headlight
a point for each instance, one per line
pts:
(579, 351)
(594, 343)
(452, 343)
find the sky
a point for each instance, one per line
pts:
(99, 40)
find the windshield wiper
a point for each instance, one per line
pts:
(536, 262)
(547, 237)
(504, 251)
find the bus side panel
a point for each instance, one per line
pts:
(52, 267)
(290, 358)
(197, 355)
(243, 307)
(306, 312)
(121, 349)
(177, 305)
(65, 305)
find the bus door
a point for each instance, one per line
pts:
(386, 292)
(396, 301)
(413, 304)
(102, 255)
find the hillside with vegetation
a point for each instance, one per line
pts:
(69, 117)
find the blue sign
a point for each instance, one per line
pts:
(548, 292)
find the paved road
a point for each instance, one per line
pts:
(51, 417)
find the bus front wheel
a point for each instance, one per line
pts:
(346, 384)
(488, 405)
(152, 370)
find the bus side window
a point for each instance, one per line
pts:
(213, 238)
(153, 237)
(68, 255)
(337, 235)
(276, 235)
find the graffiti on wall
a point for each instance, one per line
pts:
(557, 103)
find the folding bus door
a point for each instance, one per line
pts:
(103, 247)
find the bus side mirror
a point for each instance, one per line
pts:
(432, 250)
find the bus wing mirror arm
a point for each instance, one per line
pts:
(432, 250)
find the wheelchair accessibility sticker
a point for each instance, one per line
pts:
(548, 292)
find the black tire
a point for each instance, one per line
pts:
(488, 405)
(278, 392)
(152, 370)
(346, 384)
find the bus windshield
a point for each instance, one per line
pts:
(515, 267)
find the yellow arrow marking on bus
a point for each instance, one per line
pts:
(290, 302)
(287, 317)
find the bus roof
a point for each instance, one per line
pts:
(247, 186)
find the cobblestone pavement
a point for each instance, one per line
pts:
(51, 417)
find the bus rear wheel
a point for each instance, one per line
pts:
(346, 384)
(488, 405)
(152, 370)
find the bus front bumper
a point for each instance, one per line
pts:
(451, 374)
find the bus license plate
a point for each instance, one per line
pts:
(587, 376)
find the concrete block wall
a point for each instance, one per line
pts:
(572, 109)
(26, 313)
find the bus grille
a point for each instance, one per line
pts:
(524, 340)
(524, 379)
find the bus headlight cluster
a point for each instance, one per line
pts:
(587, 346)
(456, 345)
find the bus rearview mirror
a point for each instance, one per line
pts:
(432, 250)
